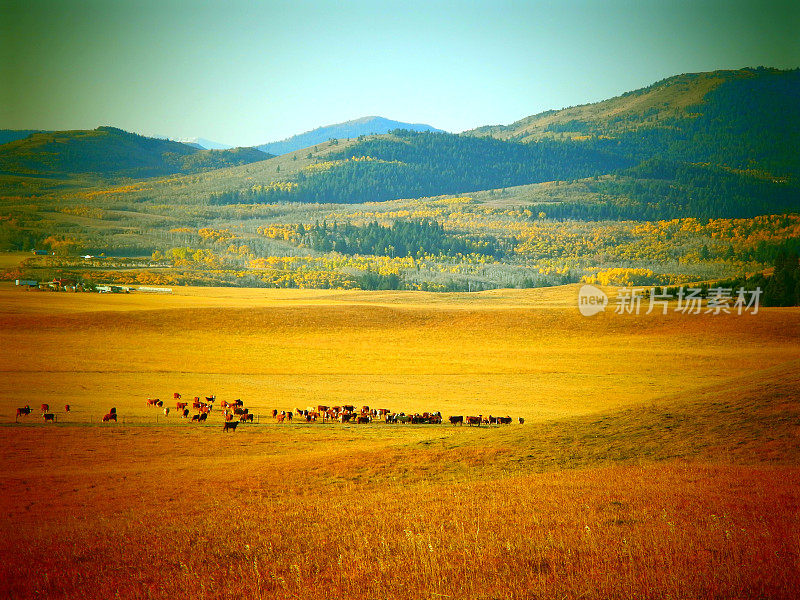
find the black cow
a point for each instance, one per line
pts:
(229, 426)
(457, 419)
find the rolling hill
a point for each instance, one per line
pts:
(349, 129)
(662, 104)
(708, 145)
(12, 135)
(112, 152)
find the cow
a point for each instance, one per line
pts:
(26, 410)
(457, 419)
(196, 418)
(181, 405)
(229, 426)
(391, 418)
(365, 409)
(289, 416)
(196, 405)
(274, 412)
(504, 420)
(228, 416)
(185, 413)
(210, 398)
(166, 411)
(348, 407)
(203, 416)
(521, 420)
(474, 421)
(112, 411)
(153, 401)
(280, 417)
(238, 402)
(110, 417)
(176, 396)
(49, 417)
(362, 419)
(492, 420)
(45, 408)
(67, 408)
(246, 418)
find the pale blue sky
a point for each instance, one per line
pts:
(245, 73)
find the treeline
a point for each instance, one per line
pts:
(745, 123)
(402, 238)
(663, 190)
(781, 288)
(418, 164)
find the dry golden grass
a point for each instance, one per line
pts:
(659, 458)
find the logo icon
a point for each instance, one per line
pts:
(591, 300)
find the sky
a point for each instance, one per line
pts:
(248, 72)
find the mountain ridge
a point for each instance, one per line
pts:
(649, 106)
(371, 125)
(113, 152)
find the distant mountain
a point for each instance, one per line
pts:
(349, 129)
(204, 144)
(12, 135)
(113, 152)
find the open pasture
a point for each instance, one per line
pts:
(659, 457)
(528, 354)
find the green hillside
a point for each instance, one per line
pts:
(112, 152)
(659, 105)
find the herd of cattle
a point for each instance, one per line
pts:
(234, 413)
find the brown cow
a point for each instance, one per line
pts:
(246, 418)
(181, 405)
(176, 396)
(229, 426)
(26, 410)
(474, 421)
(457, 419)
(66, 408)
(362, 419)
(45, 408)
(110, 417)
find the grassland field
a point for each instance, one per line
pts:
(659, 457)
